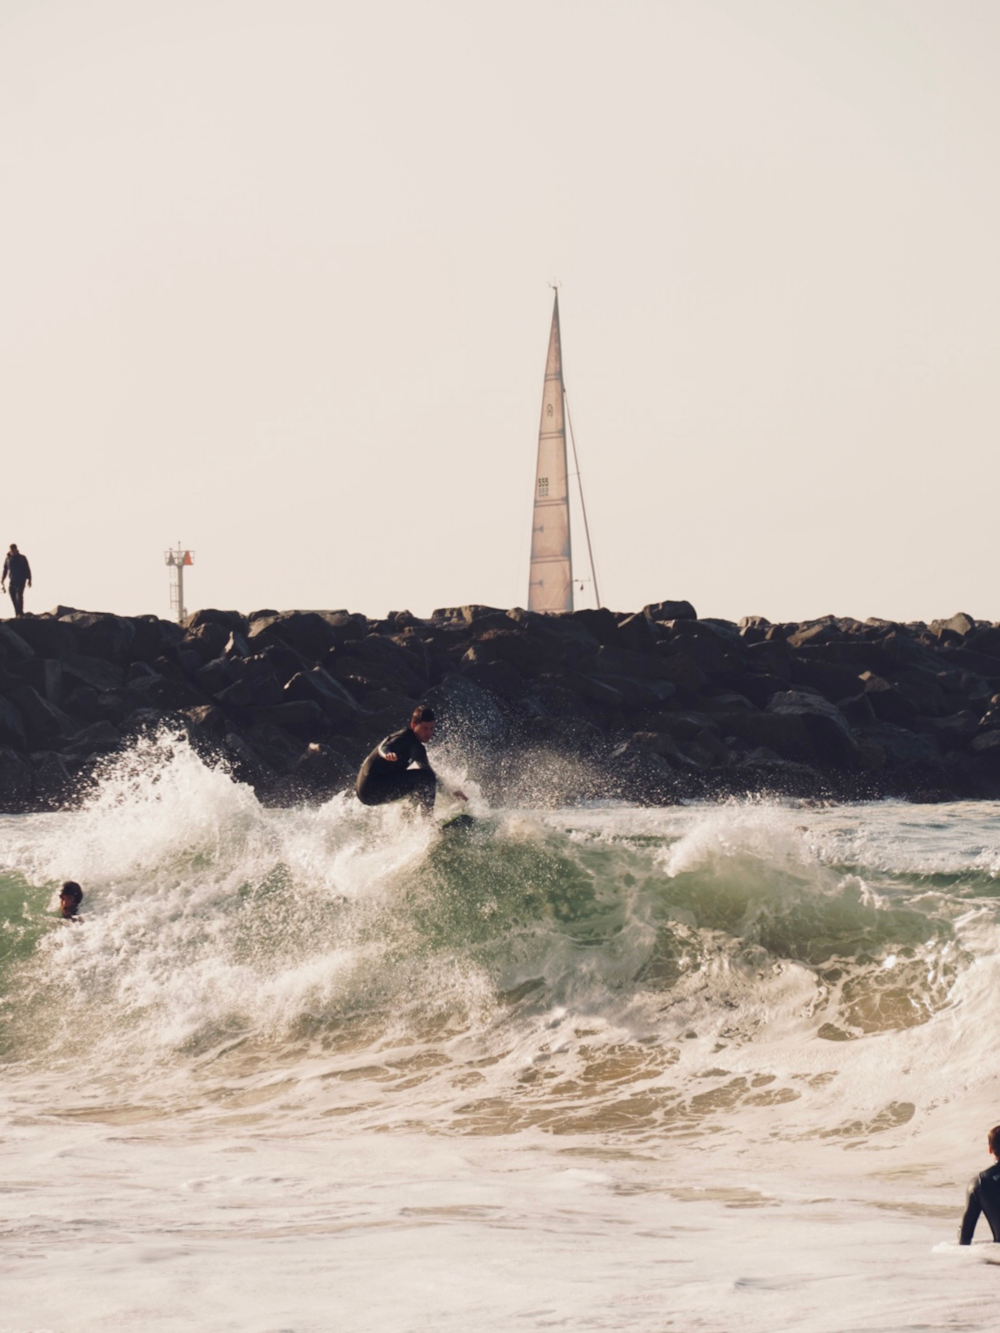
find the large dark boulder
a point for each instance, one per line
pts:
(43, 721)
(319, 687)
(639, 695)
(153, 638)
(215, 676)
(302, 717)
(99, 738)
(11, 725)
(206, 642)
(47, 636)
(284, 661)
(82, 704)
(348, 625)
(923, 690)
(601, 623)
(833, 682)
(13, 648)
(278, 749)
(480, 618)
(100, 634)
(635, 634)
(985, 640)
(759, 689)
(531, 654)
(162, 693)
(958, 625)
(596, 691)
(816, 632)
(714, 652)
(952, 732)
(858, 710)
(971, 659)
(499, 678)
(829, 731)
(15, 781)
(617, 661)
(794, 730)
(682, 670)
(82, 669)
(207, 721)
(231, 622)
(307, 632)
(255, 686)
(669, 611)
(375, 663)
(888, 703)
(45, 674)
(771, 657)
(245, 764)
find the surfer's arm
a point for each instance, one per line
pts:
(385, 753)
(971, 1215)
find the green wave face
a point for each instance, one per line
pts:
(222, 941)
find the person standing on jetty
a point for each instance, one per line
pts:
(17, 570)
(983, 1195)
(387, 775)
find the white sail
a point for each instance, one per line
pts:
(550, 578)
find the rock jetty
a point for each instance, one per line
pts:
(655, 706)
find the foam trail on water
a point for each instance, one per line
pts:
(605, 966)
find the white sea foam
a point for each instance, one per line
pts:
(711, 1064)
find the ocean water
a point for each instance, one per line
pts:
(710, 1067)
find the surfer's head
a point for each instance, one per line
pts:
(993, 1140)
(422, 723)
(70, 898)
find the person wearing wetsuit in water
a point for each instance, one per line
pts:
(387, 775)
(983, 1195)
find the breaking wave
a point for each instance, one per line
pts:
(602, 968)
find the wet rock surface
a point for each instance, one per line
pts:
(653, 706)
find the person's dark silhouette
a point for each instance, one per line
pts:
(17, 571)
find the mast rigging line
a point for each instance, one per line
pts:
(583, 503)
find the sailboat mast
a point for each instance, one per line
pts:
(550, 577)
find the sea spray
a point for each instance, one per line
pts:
(598, 967)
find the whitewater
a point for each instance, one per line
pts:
(704, 1067)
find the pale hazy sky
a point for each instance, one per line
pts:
(275, 284)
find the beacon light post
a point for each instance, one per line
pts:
(177, 560)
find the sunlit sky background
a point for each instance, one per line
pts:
(275, 284)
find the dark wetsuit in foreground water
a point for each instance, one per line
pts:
(382, 780)
(983, 1197)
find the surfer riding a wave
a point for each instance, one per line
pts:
(398, 767)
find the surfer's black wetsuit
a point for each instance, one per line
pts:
(983, 1197)
(382, 779)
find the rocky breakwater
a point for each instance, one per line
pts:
(655, 706)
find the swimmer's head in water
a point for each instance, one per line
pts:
(422, 723)
(70, 898)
